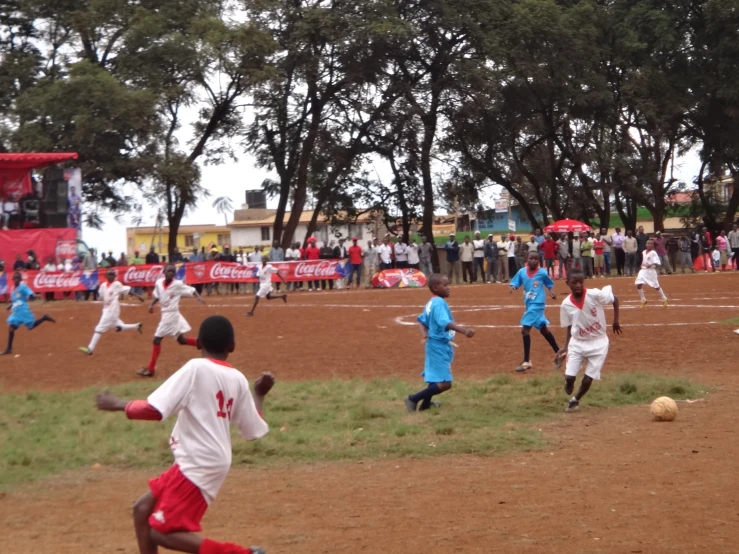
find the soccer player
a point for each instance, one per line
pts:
(20, 313)
(207, 394)
(167, 292)
(582, 314)
(111, 292)
(534, 280)
(648, 274)
(438, 328)
(264, 273)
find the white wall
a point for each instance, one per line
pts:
(251, 236)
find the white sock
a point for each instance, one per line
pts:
(129, 326)
(95, 339)
(662, 294)
(641, 294)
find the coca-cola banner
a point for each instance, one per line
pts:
(192, 273)
(47, 243)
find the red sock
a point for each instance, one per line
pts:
(154, 355)
(209, 546)
(191, 341)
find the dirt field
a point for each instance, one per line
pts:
(614, 482)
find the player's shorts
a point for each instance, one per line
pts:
(592, 351)
(437, 367)
(180, 505)
(534, 317)
(21, 318)
(264, 290)
(647, 277)
(172, 325)
(108, 321)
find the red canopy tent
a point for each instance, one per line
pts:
(567, 226)
(15, 179)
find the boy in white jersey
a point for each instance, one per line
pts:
(583, 316)
(207, 394)
(167, 292)
(264, 273)
(110, 292)
(648, 274)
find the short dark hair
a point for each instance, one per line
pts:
(434, 280)
(216, 334)
(575, 271)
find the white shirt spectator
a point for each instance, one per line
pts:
(50, 267)
(292, 254)
(401, 252)
(479, 246)
(465, 251)
(385, 253)
(413, 258)
(511, 248)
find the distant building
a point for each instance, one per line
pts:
(189, 237)
(253, 226)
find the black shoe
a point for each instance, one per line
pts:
(410, 405)
(5, 352)
(145, 372)
(249, 314)
(572, 406)
(49, 318)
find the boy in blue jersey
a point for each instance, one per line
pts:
(20, 312)
(534, 280)
(438, 328)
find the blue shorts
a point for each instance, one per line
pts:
(534, 317)
(437, 367)
(21, 318)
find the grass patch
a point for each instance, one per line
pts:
(47, 433)
(732, 321)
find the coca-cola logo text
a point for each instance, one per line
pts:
(68, 280)
(143, 275)
(230, 271)
(66, 249)
(315, 270)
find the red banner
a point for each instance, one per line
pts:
(45, 242)
(192, 273)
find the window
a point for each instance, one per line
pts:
(356, 230)
(224, 240)
(189, 241)
(265, 233)
(323, 234)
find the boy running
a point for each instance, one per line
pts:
(534, 280)
(20, 313)
(438, 328)
(648, 274)
(111, 292)
(264, 273)
(582, 314)
(167, 292)
(207, 394)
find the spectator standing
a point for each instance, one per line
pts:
(521, 249)
(563, 255)
(452, 259)
(177, 257)
(722, 243)
(661, 249)
(618, 249)
(598, 255)
(355, 259)
(277, 254)
(32, 260)
(312, 252)
(705, 249)
(138, 260)
(111, 260)
(511, 254)
(152, 257)
(50, 267)
(103, 262)
(122, 260)
(414, 259)
(577, 253)
(502, 259)
(328, 253)
(292, 254)
(531, 246)
(641, 243)
(549, 247)
(425, 254)
(89, 263)
(401, 254)
(466, 254)
(586, 253)
(734, 245)
(370, 261)
(478, 268)
(539, 239)
(672, 248)
(385, 254)
(491, 259)
(686, 259)
(607, 248)
(630, 250)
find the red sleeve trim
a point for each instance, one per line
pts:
(141, 409)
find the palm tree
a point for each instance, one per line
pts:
(223, 205)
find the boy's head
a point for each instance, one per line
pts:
(169, 272)
(216, 336)
(532, 259)
(650, 244)
(439, 285)
(17, 278)
(110, 275)
(576, 281)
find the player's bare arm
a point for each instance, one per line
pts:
(151, 306)
(109, 402)
(616, 326)
(466, 331)
(199, 298)
(262, 386)
(552, 293)
(424, 331)
(137, 295)
(563, 351)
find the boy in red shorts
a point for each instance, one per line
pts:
(207, 394)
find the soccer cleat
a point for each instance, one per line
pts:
(145, 372)
(140, 328)
(664, 303)
(85, 350)
(435, 404)
(643, 303)
(49, 318)
(249, 314)
(525, 366)
(8, 351)
(572, 407)
(257, 550)
(410, 405)
(736, 331)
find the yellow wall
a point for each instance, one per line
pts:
(142, 241)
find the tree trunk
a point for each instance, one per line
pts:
(733, 204)
(174, 227)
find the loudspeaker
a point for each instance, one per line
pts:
(31, 212)
(53, 221)
(55, 193)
